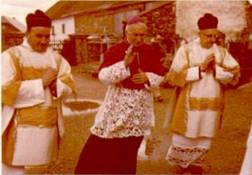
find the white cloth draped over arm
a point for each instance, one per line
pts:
(114, 73)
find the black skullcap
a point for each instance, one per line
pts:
(38, 19)
(208, 21)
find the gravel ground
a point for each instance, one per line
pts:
(225, 157)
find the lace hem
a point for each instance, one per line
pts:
(125, 112)
(128, 132)
(186, 156)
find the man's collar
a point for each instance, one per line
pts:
(26, 44)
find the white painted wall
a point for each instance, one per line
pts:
(57, 25)
(231, 15)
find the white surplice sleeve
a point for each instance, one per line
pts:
(180, 73)
(114, 73)
(65, 82)
(193, 74)
(229, 71)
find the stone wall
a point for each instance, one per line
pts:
(94, 24)
(161, 21)
(97, 22)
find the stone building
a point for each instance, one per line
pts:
(12, 32)
(95, 25)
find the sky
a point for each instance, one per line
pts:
(20, 8)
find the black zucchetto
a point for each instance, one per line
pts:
(38, 19)
(208, 21)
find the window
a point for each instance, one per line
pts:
(63, 28)
(53, 30)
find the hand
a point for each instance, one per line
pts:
(167, 63)
(130, 56)
(53, 88)
(139, 78)
(211, 66)
(129, 59)
(49, 76)
(163, 59)
(208, 64)
(165, 82)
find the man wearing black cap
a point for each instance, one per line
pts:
(201, 69)
(131, 70)
(34, 80)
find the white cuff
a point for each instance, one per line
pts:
(193, 74)
(114, 73)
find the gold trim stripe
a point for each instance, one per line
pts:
(179, 119)
(8, 142)
(10, 92)
(16, 63)
(30, 73)
(205, 103)
(175, 78)
(37, 116)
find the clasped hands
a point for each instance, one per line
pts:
(209, 64)
(49, 80)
